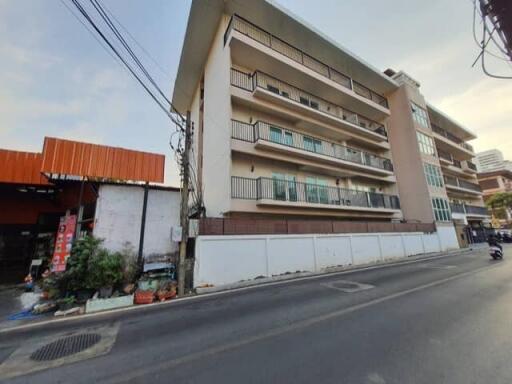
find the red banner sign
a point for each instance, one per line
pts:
(63, 243)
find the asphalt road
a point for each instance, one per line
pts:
(441, 321)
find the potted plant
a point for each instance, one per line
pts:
(105, 270)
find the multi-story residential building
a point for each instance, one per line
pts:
(491, 160)
(433, 162)
(278, 130)
(493, 182)
(289, 123)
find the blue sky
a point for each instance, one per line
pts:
(56, 80)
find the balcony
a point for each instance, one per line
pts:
(462, 185)
(270, 41)
(311, 147)
(445, 156)
(457, 208)
(468, 166)
(452, 140)
(271, 191)
(470, 210)
(318, 106)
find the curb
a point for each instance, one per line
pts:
(260, 283)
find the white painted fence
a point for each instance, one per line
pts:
(223, 260)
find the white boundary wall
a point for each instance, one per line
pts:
(223, 260)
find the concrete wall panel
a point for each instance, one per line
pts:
(291, 255)
(333, 251)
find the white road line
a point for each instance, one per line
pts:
(136, 373)
(142, 308)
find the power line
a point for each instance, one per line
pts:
(158, 66)
(87, 17)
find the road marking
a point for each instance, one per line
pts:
(347, 286)
(434, 266)
(157, 367)
(319, 275)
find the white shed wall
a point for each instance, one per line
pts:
(119, 213)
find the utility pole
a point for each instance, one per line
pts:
(184, 207)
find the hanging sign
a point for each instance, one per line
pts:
(63, 242)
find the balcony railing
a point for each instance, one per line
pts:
(468, 209)
(457, 208)
(470, 165)
(267, 39)
(289, 138)
(457, 163)
(456, 182)
(261, 80)
(445, 155)
(475, 210)
(451, 137)
(292, 191)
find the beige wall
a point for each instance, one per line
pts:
(412, 185)
(217, 127)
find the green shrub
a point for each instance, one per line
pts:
(77, 265)
(105, 269)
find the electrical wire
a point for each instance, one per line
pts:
(157, 65)
(483, 44)
(89, 19)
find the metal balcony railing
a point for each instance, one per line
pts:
(457, 208)
(457, 163)
(475, 210)
(456, 182)
(470, 165)
(261, 80)
(267, 39)
(273, 133)
(292, 191)
(468, 209)
(451, 137)
(445, 155)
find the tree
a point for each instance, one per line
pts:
(500, 204)
(500, 200)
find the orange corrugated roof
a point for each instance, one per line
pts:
(75, 158)
(17, 167)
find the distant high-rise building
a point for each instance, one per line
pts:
(491, 160)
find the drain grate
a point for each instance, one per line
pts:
(65, 347)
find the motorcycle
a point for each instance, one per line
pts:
(496, 253)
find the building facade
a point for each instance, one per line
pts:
(494, 182)
(287, 123)
(491, 160)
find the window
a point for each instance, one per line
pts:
(312, 145)
(277, 135)
(441, 209)
(433, 174)
(426, 144)
(284, 187)
(419, 115)
(273, 89)
(317, 190)
(364, 188)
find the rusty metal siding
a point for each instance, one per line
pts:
(17, 167)
(68, 157)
